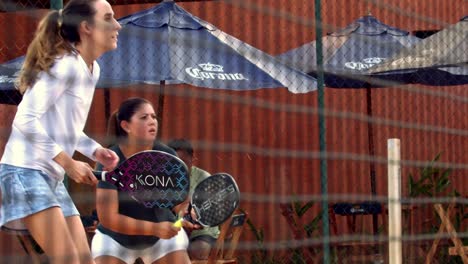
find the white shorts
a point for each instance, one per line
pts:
(104, 245)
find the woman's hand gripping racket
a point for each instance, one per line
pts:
(152, 178)
(213, 200)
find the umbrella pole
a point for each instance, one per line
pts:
(160, 110)
(107, 110)
(322, 134)
(370, 138)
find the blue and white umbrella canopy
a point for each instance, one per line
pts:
(349, 52)
(441, 59)
(168, 43)
(8, 92)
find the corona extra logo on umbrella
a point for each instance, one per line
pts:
(364, 64)
(8, 78)
(213, 71)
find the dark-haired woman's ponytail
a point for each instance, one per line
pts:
(113, 128)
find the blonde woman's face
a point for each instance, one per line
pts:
(143, 126)
(105, 27)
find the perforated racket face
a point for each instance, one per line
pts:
(154, 178)
(215, 199)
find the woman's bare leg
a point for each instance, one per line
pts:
(199, 249)
(50, 230)
(179, 257)
(108, 260)
(78, 235)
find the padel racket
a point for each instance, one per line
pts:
(152, 178)
(214, 200)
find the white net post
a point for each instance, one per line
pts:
(394, 201)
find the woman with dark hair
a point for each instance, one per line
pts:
(128, 230)
(58, 79)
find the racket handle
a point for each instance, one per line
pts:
(100, 175)
(188, 216)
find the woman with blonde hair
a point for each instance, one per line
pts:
(58, 79)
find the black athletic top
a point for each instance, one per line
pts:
(131, 208)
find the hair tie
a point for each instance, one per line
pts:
(60, 18)
(117, 116)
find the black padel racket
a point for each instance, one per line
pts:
(153, 178)
(214, 199)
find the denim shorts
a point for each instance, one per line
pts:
(28, 191)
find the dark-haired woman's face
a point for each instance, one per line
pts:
(143, 126)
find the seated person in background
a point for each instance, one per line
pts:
(201, 240)
(128, 230)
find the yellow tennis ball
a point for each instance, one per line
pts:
(178, 223)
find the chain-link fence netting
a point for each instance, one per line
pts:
(299, 110)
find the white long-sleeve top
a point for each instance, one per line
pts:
(51, 117)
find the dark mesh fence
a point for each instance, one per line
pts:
(391, 70)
